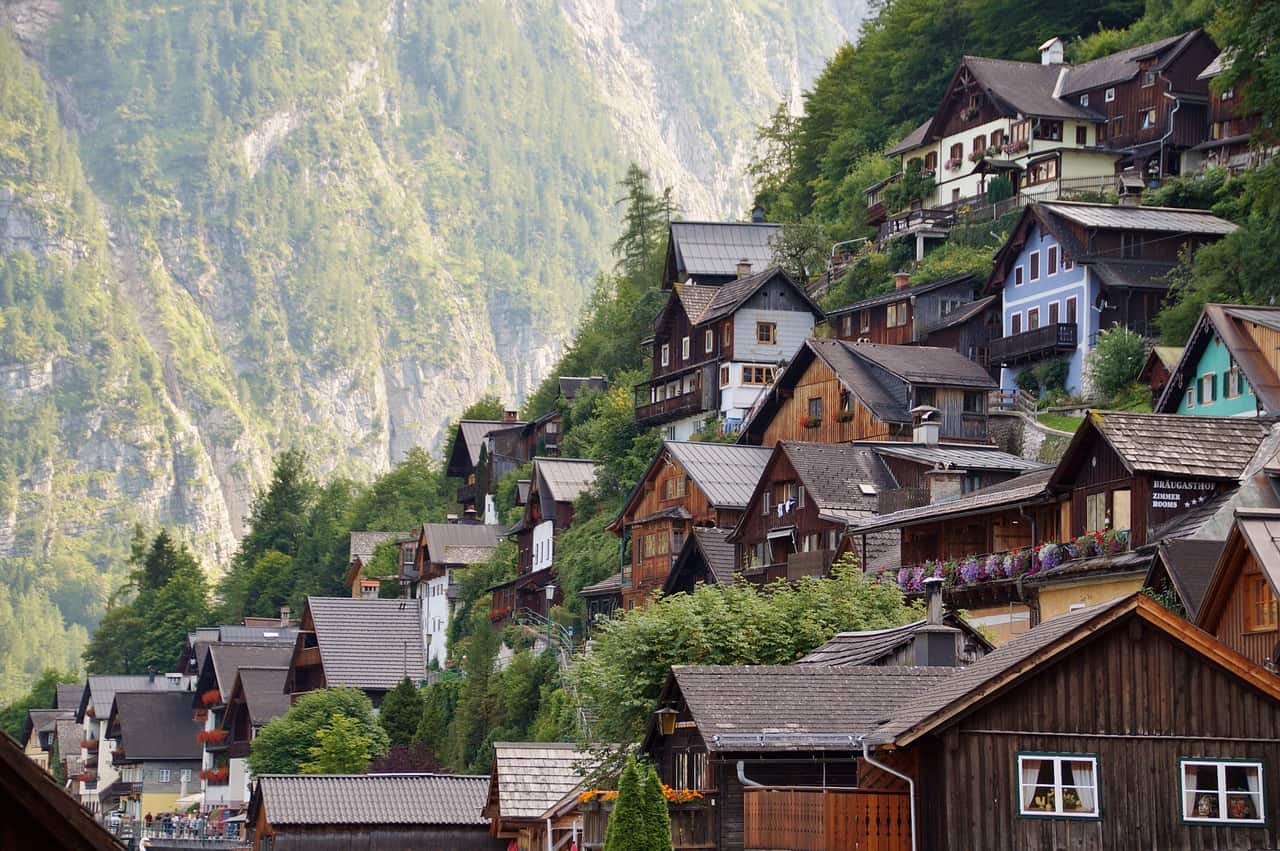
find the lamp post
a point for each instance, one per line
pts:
(666, 720)
(551, 595)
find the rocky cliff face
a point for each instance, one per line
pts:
(330, 225)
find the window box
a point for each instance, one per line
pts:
(1014, 147)
(953, 163)
(810, 422)
(844, 416)
(1221, 791)
(211, 697)
(1058, 785)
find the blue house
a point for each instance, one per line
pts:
(1070, 270)
(1226, 369)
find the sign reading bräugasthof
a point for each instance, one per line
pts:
(1175, 493)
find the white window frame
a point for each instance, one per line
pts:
(164, 775)
(1057, 759)
(185, 776)
(666, 354)
(1190, 397)
(709, 338)
(1188, 807)
(1018, 276)
(684, 347)
(1034, 264)
(1084, 100)
(1109, 95)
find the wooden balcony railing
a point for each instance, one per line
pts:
(887, 502)
(812, 563)
(807, 819)
(914, 220)
(306, 657)
(670, 408)
(1036, 344)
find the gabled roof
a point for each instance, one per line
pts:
(372, 799)
(262, 689)
(902, 294)
(926, 365)
(870, 647)
(713, 249)
(156, 725)
(961, 314)
(914, 139)
(1148, 219)
(1227, 323)
(1189, 563)
(471, 435)
(571, 384)
(226, 659)
(834, 474)
(100, 691)
(694, 299)
(796, 707)
(238, 634)
(364, 543)
(1178, 445)
(1123, 64)
(716, 550)
(530, 778)
(1256, 532)
(368, 644)
(1027, 88)
(447, 542)
(42, 803)
(729, 297)
(725, 473)
(611, 584)
(955, 456)
(563, 479)
(68, 696)
(1028, 487)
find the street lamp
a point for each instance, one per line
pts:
(666, 720)
(551, 595)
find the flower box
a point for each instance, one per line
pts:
(978, 156)
(90, 744)
(212, 697)
(844, 416)
(215, 776)
(1014, 147)
(499, 614)
(211, 737)
(954, 163)
(810, 422)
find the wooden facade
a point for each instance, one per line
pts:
(916, 315)
(797, 542)
(1240, 606)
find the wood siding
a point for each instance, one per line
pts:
(805, 520)
(819, 381)
(1257, 645)
(1137, 700)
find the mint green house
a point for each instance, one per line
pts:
(1228, 368)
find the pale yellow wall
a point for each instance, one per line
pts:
(159, 802)
(1002, 623)
(1058, 599)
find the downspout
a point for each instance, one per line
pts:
(743, 779)
(1177, 104)
(549, 848)
(911, 784)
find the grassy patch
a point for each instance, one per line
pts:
(1061, 422)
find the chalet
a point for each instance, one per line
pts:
(40, 734)
(710, 253)
(1070, 270)
(483, 450)
(366, 644)
(257, 697)
(1180, 572)
(707, 557)
(941, 313)
(1228, 367)
(533, 791)
(1166, 742)
(807, 496)
(1230, 142)
(834, 392)
(687, 485)
(543, 433)
(602, 599)
(443, 550)
(360, 552)
(432, 812)
(38, 813)
(269, 631)
(1156, 369)
(157, 753)
(716, 347)
(223, 776)
(1045, 131)
(1239, 605)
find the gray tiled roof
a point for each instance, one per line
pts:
(1268, 317)
(473, 432)
(718, 552)
(927, 365)
(571, 384)
(373, 799)
(715, 248)
(861, 380)
(1190, 563)
(369, 644)
(963, 457)
(157, 725)
(441, 537)
(45, 720)
(1028, 87)
(961, 314)
(726, 473)
(1132, 274)
(788, 707)
(1022, 488)
(611, 584)
(238, 634)
(533, 777)
(68, 696)
(1214, 68)
(901, 294)
(1115, 67)
(102, 689)
(869, 647)
(364, 543)
(833, 475)
(730, 296)
(1119, 216)
(563, 479)
(228, 658)
(1209, 447)
(912, 140)
(264, 692)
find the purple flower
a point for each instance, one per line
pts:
(904, 578)
(917, 578)
(1050, 556)
(971, 570)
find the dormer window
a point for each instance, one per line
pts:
(1084, 100)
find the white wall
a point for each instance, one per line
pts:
(793, 328)
(543, 545)
(438, 619)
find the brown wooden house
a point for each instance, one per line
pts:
(257, 697)
(1116, 726)
(1180, 573)
(687, 485)
(483, 450)
(833, 391)
(1239, 606)
(1231, 143)
(707, 558)
(529, 786)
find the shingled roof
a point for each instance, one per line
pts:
(450, 543)
(901, 294)
(371, 799)
(1124, 217)
(926, 365)
(363, 544)
(563, 479)
(101, 690)
(870, 647)
(470, 438)
(68, 696)
(156, 725)
(368, 644)
(226, 659)
(714, 249)
(959, 456)
(530, 778)
(834, 476)
(1189, 563)
(717, 551)
(1019, 489)
(725, 473)
(797, 707)
(263, 691)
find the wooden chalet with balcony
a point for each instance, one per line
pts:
(1048, 130)
(1228, 367)
(687, 486)
(483, 451)
(715, 348)
(833, 391)
(1231, 142)
(1071, 270)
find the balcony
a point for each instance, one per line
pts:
(813, 563)
(306, 657)
(913, 221)
(811, 819)
(1036, 344)
(467, 494)
(670, 408)
(887, 502)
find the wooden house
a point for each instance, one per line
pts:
(39, 813)
(40, 734)
(366, 644)
(532, 793)
(1156, 369)
(1232, 127)
(1180, 573)
(716, 347)
(156, 752)
(1165, 738)
(602, 599)
(1070, 270)
(834, 392)
(711, 253)
(431, 812)
(687, 485)
(443, 550)
(707, 558)
(1239, 606)
(483, 450)
(360, 551)
(257, 697)
(1228, 367)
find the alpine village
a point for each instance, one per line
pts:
(951, 522)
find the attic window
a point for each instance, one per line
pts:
(1084, 100)
(1109, 95)
(866, 489)
(1148, 78)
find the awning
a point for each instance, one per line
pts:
(782, 532)
(188, 800)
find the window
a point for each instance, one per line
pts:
(1228, 94)
(1260, 611)
(1117, 126)
(1052, 260)
(1190, 401)
(1222, 791)
(1109, 95)
(185, 776)
(1082, 135)
(164, 775)
(726, 334)
(1017, 276)
(1066, 262)
(1058, 785)
(1035, 265)
(1148, 78)
(1071, 306)
(865, 319)
(1053, 313)
(757, 374)
(1033, 318)
(815, 408)
(1021, 131)
(931, 161)
(1207, 388)
(895, 315)
(684, 348)
(979, 144)
(1130, 244)
(846, 402)
(674, 488)
(957, 151)
(1100, 132)
(1233, 382)
(709, 340)
(1084, 100)
(996, 138)
(925, 396)
(973, 401)
(765, 499)
(846, 325)
(800, 499)
(1095, 512)
(767, 333)
(724, 376)
(1015, 323)
(1148, 119)
(1044, 171)
(666, 354)
(1121, 509)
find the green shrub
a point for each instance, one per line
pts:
(1116, 361)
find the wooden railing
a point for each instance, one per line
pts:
(670, 408)
(307, 656)
(1018, 400)
(913, 220)
(1034, 344)
(812, 563)
(887, 502)
(808, 819)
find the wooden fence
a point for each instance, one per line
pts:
(809, 819)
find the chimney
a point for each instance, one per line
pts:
(744, 268)
(471, 516)
(926, 423)
(935, 642)
(757, 215)
(451, 518)
(284, 615)
(944, 483)
(510, 416)
(1051, 52)
(901, 280)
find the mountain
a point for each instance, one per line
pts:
(229, 227)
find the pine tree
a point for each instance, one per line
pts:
(657, 819)
(401, 712)
(626, 820)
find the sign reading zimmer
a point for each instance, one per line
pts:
(1175, 494)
